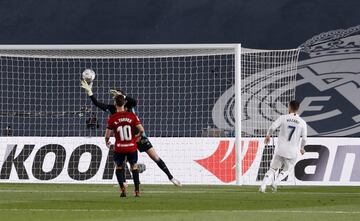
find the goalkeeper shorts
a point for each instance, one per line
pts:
(144, 144)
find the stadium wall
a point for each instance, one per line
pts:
(328, 161)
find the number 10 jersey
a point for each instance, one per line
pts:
(123, 124)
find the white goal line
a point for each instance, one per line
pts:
(183, 211)
(172, 191)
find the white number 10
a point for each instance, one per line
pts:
(125, 132)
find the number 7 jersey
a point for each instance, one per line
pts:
(292, 135)
(123, 124)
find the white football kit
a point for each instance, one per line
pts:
(292, 136)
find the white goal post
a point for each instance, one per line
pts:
(195, 100)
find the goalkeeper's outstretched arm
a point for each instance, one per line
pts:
(130, 102)
(102, 106)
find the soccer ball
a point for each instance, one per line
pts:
(88, 75)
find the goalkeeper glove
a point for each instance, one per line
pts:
(115, 93)
(87, 87)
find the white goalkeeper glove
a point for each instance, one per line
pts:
(87, 87)
(115, 93)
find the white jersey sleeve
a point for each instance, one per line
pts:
(274, 126)
(292, 135)
(304, 135)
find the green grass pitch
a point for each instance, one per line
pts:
(165, 202)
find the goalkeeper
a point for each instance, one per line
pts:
(144, 144)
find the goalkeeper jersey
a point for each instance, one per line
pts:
(292, 135)
(130, 104)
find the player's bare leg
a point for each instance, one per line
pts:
(120, 176)
(135, 173)
(161, 164)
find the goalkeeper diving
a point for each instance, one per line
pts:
(291, 140)
(144, 144)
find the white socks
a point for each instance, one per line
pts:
(281, 176)
(268, 178)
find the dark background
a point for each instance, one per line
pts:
(254, 23)
(261, 24)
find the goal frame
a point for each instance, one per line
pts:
(237, 71)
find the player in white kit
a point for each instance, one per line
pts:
(291, 140)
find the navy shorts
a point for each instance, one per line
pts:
(119, 158)
(144, 144)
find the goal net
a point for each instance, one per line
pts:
(268, 84)
(186, 94)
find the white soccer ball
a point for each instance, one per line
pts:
(88, 75)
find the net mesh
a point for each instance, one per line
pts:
(42, 96)
(268, 85)
(185, 92)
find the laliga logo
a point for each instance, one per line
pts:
(328, 87)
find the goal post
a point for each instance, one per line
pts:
(205, 108)
(238, 111)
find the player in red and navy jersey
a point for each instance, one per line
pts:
(144, 145)
(127, 130)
